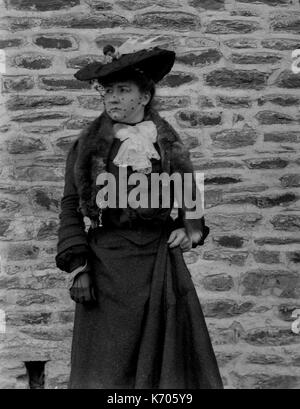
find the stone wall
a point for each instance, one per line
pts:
(234, 99)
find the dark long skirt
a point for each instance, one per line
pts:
(147, 329)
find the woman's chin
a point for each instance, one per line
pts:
(115, 115)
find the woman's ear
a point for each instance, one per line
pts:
(146, 98)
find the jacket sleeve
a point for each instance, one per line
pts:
(195, 226)
(72, 247)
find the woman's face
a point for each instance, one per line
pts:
(124, 102)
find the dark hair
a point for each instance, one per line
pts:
(136, 76)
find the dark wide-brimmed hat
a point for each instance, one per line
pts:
(154, 63)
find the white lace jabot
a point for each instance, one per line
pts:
(137, 148)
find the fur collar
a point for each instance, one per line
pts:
(93, 148)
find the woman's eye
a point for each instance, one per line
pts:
(124, 90)
(108, 91)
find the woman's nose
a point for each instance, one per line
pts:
(115, 96)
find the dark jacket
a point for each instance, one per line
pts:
(86, 159)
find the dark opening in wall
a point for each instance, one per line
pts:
(36, 374)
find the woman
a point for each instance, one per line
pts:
(138, 321)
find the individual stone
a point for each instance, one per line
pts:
(236, 79)
(281, 44)
(255, 58)
(281, 100)
(287, 79)
(244, 13)
(221, 180)
(233, 102)
(189, 141)
(232, 27)
(11, 43)
(38, 173)
(18, 23)
(141, 4)
(66, 142)
(227, 336)
(266, 256)
(290, 180)
(293, 256)
(40, 116)
(208, 4)
(99, 5)
(266, 163)
(78, 123)
(241, 43)
(285, 311)
(273, 118)
(17, 83)
(66, 317)
(176, 78)
(22, 251)
(237, 221)
(279, 137)
(286, 222)
(266, 381)
(92, 102)
(32, 318)
(114, 39)
(21, 102)
(56, 41)
(175, 20)
(265, 359)
(37, 5)
(226, 357)
(82, 60)
(261, 201)
(213, 197)
(237, 118)
(84, 21)
(196, 119)
(218, 282)
(32, 61)
(278, 283)
(225, 308)
(48, 230)
(271, 336)
(217, 164)
(205, 102)
(21, 145)
(237, 258)
(41, 129)
(9, 206)
(234, 138)
(268, 2)
(49, 334)
(200, 59)
(4, 225)
(61, 82)
(35, 297)
(230, 241)
(276, 241)
(287, 23)
(172, 102)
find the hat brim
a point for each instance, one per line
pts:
(155, 63)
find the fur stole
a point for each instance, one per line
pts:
(93, 149)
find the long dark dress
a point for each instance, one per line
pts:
(147, 329)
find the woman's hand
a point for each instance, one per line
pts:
(179, 237)
(82, 290)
